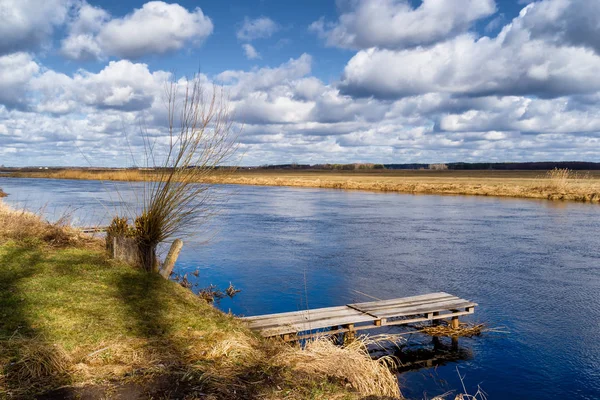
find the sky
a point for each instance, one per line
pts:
(312, 81)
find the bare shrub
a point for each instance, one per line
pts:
(200, 138)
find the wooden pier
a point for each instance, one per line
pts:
(359, 316)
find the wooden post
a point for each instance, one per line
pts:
(171, 258)
(350, 335)
(435, 321)
(454, 324)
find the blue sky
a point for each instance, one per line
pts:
(391, 81)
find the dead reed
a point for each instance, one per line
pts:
(464, 329)
(22, 225)
(582, 187)
(351, 362)
(560, 179)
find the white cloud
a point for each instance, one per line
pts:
(529, 93)
(81, 43)
(259, 28)
(156, 28)
(513, 63)
(243, 82)
(250, 52)
(16, 71)
(525, 115)
(121, 85)
(395, 24)
(29, 24)
(567, 22)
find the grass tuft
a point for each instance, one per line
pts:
(351, 363)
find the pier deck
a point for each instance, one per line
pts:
(360, 316)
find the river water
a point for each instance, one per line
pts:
(533, 267)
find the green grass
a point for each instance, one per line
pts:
(67, 294)
(72, 317)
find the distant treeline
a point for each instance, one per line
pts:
(508, 166)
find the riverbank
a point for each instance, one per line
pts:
(75, 324)
(581, 186)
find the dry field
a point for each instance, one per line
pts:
(583, 186)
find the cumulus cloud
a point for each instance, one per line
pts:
(244, 82)
(525, 115)
(120, 86)
(259, 28)
(250, 52)
(16, 72)
(156, 28)
(395, 24)
(516, 62)
(530, 92)
(28, 24)
(565, 22)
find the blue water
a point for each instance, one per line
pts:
(533, 267)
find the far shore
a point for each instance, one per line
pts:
(581, 186)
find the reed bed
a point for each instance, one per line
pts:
(554, 185)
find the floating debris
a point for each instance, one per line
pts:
(231, 290)
(463, 330)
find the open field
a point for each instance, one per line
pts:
(583, 186)
(75, 324)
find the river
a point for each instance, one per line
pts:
(533, 267)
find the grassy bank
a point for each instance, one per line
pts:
(74, 324)
(581, 186)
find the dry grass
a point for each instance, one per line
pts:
(525, 184)
(351, 363)
(38, 361)
(23, 226)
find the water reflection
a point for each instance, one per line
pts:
(431, 352)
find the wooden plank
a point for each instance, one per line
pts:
(410, 299)
(318, 324)
(305, 316)
(447, 304)
(375, 305)
(295, 313)
(401, 312)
